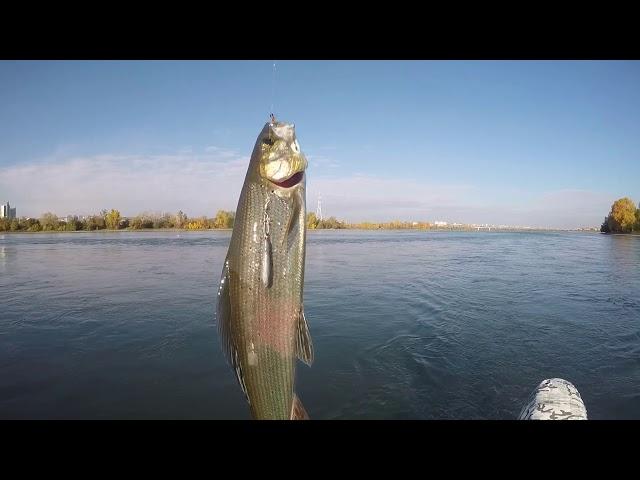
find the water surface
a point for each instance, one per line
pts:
(405, 324)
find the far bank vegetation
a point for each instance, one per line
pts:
(113, 220)
(313, 223)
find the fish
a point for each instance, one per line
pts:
(260, 311)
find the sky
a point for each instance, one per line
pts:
(521, 143)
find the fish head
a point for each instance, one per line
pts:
(281, 161)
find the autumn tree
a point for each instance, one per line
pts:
(312, 221)
(197, 223)
(224, 219)
(622, 216)
(330, 222)
(112, 219)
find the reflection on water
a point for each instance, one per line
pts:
(624, 253)
(404, 324)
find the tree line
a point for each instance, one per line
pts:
(113, 220)
(313, 223)
(624, 217)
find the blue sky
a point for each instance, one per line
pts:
(522, 143)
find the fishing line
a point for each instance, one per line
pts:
(273, 86)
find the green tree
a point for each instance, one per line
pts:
(168, 220)
(312, 221)
(112, 219)
(72, 224)
(14, 226)
(49, 221)
(95, 222)
(33, 225)
(637, 226)
(136, 223)
(622, 215)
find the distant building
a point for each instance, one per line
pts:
(7, 212)
(440, 224)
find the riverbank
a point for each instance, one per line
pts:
(123, 230)
(436, 230)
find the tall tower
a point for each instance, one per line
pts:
(319, 209)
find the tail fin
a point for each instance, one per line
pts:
(297, 410)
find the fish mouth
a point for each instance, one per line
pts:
(292, 181)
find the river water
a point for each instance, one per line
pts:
(405, 324)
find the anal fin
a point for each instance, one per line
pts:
(297, 410)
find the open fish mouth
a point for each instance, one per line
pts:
(292, 181)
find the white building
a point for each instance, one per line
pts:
(7, 212)
(440, 224)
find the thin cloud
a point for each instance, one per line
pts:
(196, 184)
(368, 197)
(363, 197)
(202, 183)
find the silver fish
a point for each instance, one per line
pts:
(260, 312)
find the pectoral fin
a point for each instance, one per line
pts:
(304, 346)
(223, 316)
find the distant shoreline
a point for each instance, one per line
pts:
(437, 230)
(123, 230)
